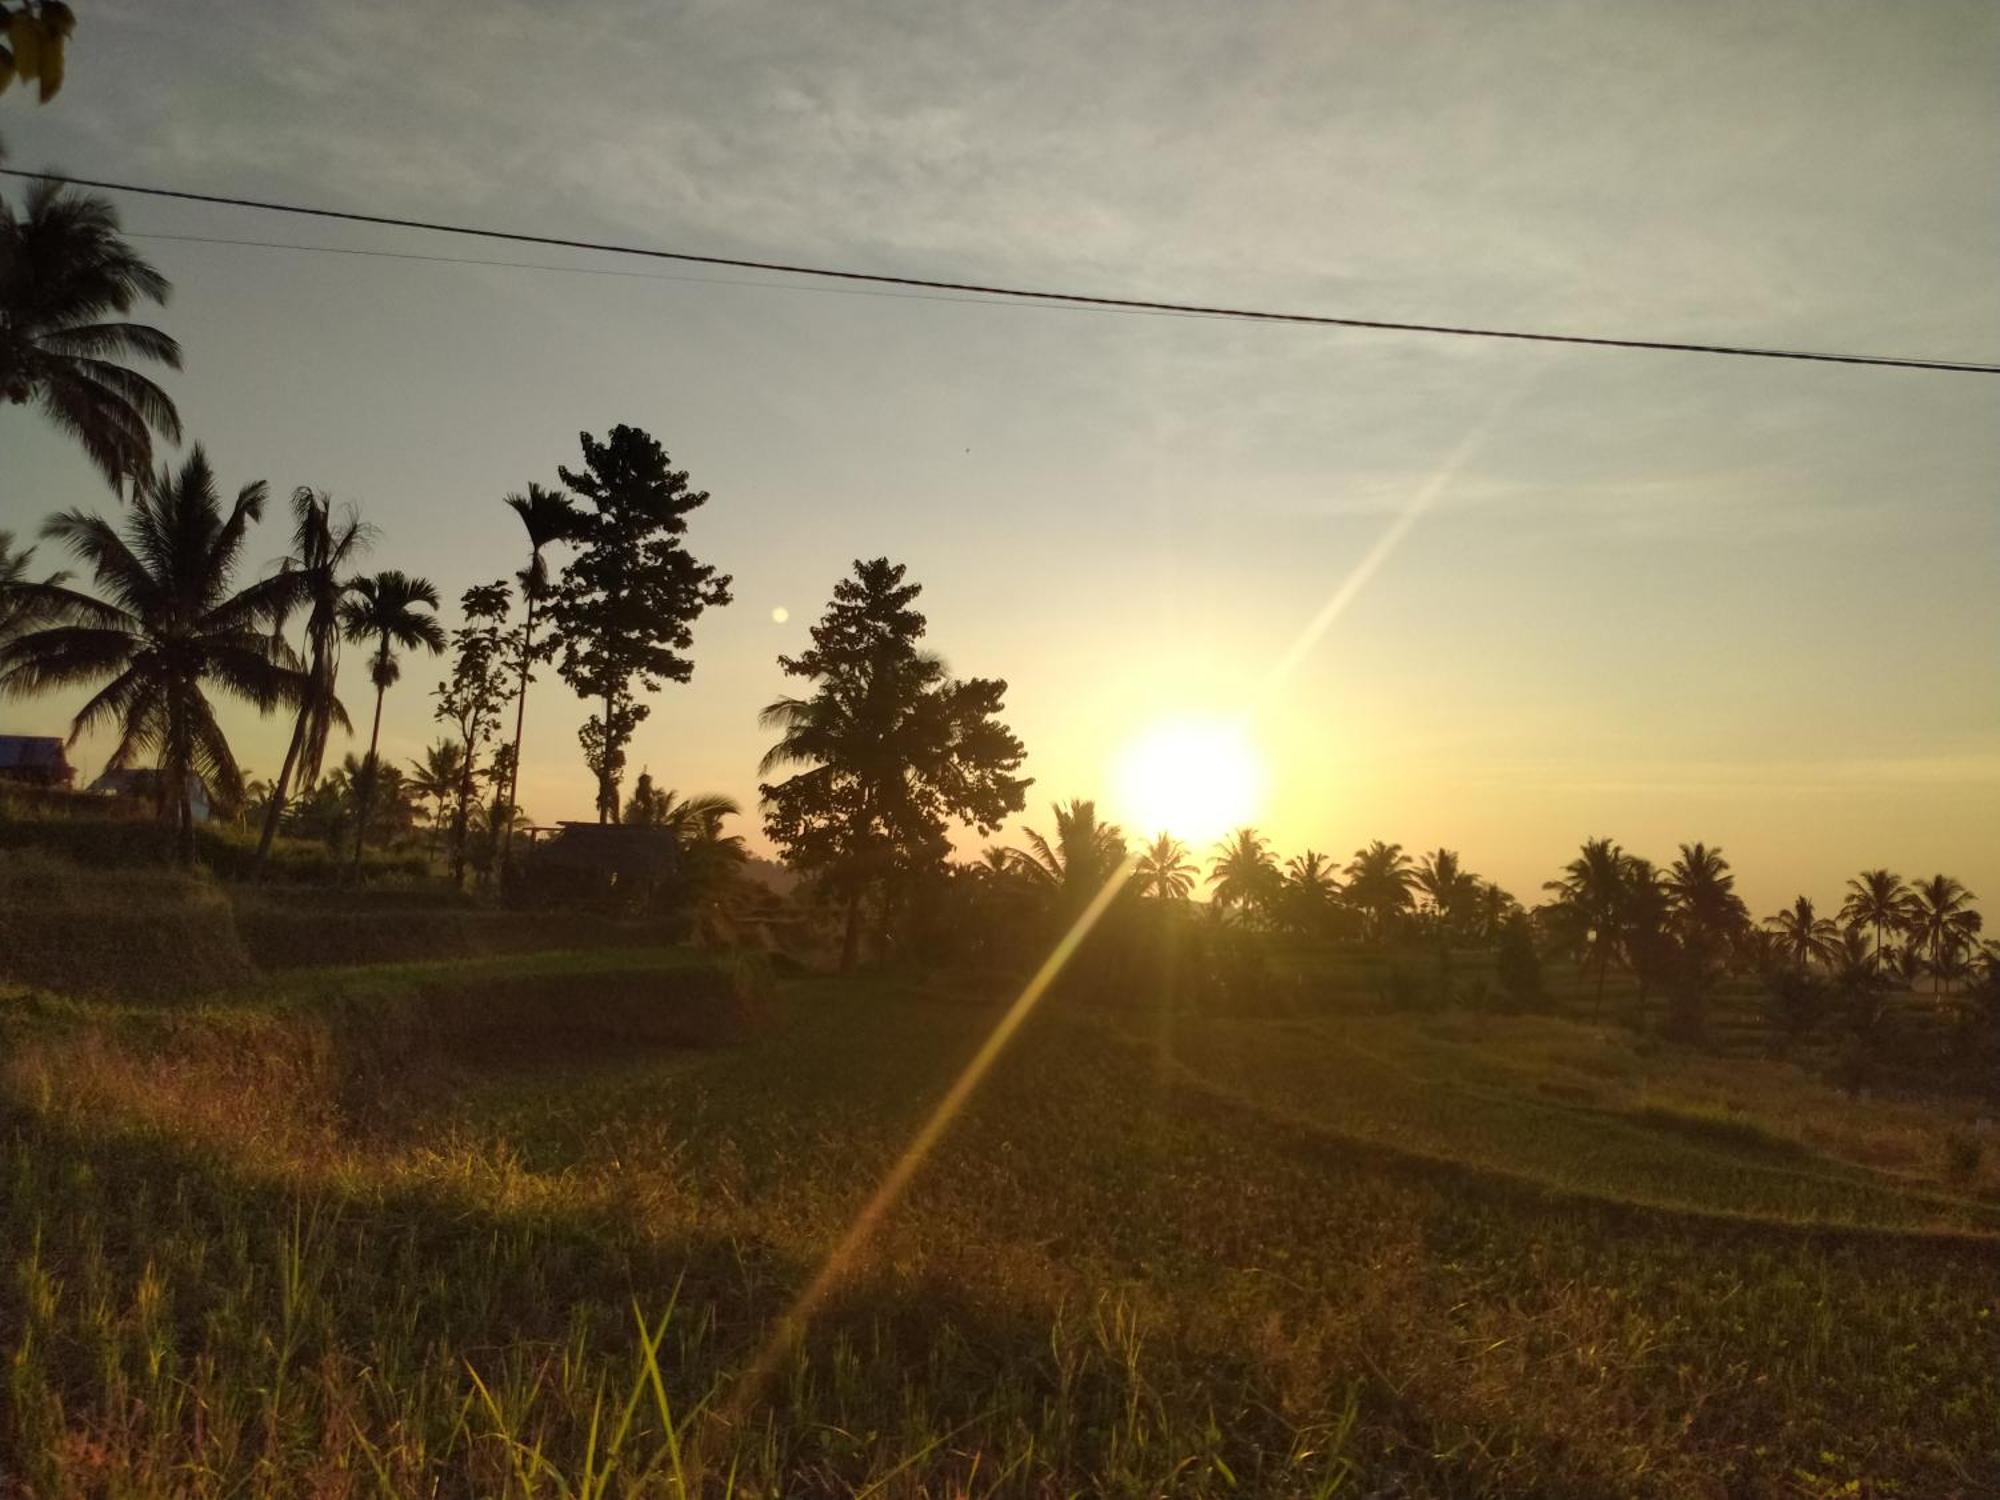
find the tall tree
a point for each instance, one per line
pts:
(1164, 871)
(1310, 889)
(1447, 886)
(1645, 937)
(624, 609)
(168, 626)
(892, 749)
(435, 779)
(1073, 867)
(389, 611)
(25, 603)
(1801, 936)
(1879, 901)
(1244, 874)
(1379, 878)
(548, 517)
(1591, 896)
(65, 275)
(1941, 922)
(323, 548)
(472, 697)
(1701, 893)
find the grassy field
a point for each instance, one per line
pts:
(259, 1249)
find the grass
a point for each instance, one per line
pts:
(1315, 1254)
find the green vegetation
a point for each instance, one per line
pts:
(374, 1238)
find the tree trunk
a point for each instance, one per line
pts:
(607, 810)
(460, 816)
(275, 808)
(520, 718)
(1597, 1005)
(366, 793)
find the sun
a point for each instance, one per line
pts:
(1193, 778)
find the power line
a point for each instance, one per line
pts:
(534, 265)
(1021, 294)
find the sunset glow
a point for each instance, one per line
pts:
(1193, 778)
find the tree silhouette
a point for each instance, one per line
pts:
(1800, 936)
(436, 778)
(390, 611)
(166, 628)
(1941, 924)
(1645, 937)
(64, 271)
(322, 550)
(1447, 886)
(25, 604)
(1879, 901)
(1164, 870)
(624, 609)
(1590, 897)
(548, 517)
(1244, 874)
(1379, 878)
(1083, 856)
(892, 750)
(1310, 889)
(472, 697)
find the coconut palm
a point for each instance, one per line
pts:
(1701, 894)
(436, 779)
(1801, 936)
(1379, 878)
(548, 517)
(166, 630)
(1590, 898)
(1307, 892)
(1645, 937)
(390, 611)
(1941, 924)
(1244, 874)
(23, 603)
(1164, 871)
(64, 271)
(1084, 854)
(323, 548)
(1879, 901)
(1492, 908)
(1447, 886)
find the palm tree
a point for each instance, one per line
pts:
(1643, 931)
(1879, 900)
(1492, 908)
(549, 517)
(1379, 878)
(167, 627)
(63, 271)
(1307, 892)
(24, 604)
(1084, 855)
(389, 609)
(436, 778)
(1164, 871)
(1244, 874)
(322, 549)
(1591, 895)
(1941, 922)
(1800, 935)
(1701, 894)
(1448, 887)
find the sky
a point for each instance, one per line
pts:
(1659, 597)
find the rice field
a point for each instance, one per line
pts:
(253, 1249)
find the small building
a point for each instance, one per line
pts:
(35, 760)
(142, 784)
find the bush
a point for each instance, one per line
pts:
(127, 842)
(134, 934)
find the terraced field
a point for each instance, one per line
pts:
(1329, 1253)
